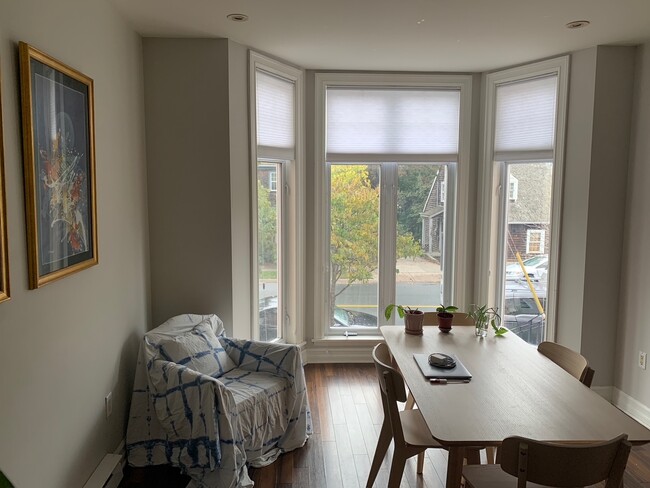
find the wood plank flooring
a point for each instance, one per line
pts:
(347, 416)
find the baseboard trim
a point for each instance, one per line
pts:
(604, 391)
(634, 408)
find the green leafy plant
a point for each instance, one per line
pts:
(446, 309)
(488, 315)
(400, 310)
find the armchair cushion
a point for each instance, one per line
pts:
(198, 349)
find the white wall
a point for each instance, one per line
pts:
(634, 323)
(593, 211)
(65, 346)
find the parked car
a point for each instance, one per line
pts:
(536, 268)
(520, 311)
(268, 318)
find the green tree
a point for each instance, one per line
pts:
(415, 183)
(267, 243)
(354, 231)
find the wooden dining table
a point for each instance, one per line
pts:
(514, 390)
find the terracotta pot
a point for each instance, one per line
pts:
(413, 322)
(444, 321)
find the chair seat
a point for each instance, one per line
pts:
(491, 476)
(416, 432)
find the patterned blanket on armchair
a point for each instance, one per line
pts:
(210, 405)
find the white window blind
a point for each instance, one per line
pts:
(525, 119)
(388, 125)
(275, 117)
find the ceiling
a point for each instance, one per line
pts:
(406, 35)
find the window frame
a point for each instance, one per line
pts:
(490, 259)
(292, 193)
(459, 288)
(542, 236)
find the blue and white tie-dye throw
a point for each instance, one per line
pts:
(210, 405)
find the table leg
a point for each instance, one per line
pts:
(455, 467)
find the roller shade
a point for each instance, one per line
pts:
(388, 125)
(275, 98)
(525, 119)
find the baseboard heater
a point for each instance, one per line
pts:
(108, 474)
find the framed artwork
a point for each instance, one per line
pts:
(59, 167)
(4, 254)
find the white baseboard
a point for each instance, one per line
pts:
(604, 391)
(634, 408)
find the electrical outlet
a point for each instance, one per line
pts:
(643, 360)
(109, 404)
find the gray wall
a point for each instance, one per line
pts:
(196, 103)
(634, 325)
(63, 347)
(600, 103)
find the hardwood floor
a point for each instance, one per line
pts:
(347, 416)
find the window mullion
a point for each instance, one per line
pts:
(387, 239)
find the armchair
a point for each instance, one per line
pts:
(210, 404)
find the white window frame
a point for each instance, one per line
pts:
(491, 267)
(459, 288)
(542, 236)
(293, 214)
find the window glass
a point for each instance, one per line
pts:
(269, 247)
(354, 244)
(421, 218)
(527, 230)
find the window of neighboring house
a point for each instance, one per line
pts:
(275, 98)
(513, 188)
(273, 181)
(535, 241)
(389, 236)
(525, 122)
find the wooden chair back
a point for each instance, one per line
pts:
(392, 388)
(565, 465)
(570, 361)
(460, 318)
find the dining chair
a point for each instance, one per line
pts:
(569, 360)
(407, 427)
(526, 460)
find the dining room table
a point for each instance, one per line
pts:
(514, 390)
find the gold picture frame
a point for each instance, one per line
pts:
(59, 167)
(4, 252)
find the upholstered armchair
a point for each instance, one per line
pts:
(212, 405)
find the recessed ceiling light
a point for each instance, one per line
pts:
(237, 17)
(577, 24)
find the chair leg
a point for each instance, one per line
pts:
(420, 462)
(473, 455)
(396, 469)
(410, 402)
(385, 437)
(491, 453)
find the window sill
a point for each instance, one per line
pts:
(359, 340)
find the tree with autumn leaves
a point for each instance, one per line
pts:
(354, 228)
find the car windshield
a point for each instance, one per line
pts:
(342, 316)
(534, 260)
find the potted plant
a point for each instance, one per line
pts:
(445, 317)
(413, 318)
(485, 316)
